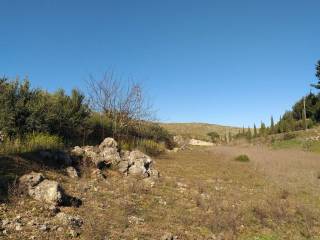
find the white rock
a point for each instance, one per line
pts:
(72, 172)
(108, 143)
(47, 191)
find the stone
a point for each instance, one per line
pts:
(54, 209)
(140, 163)
(179, 140)
(18, 227)
(44, 227)
(31, 179)
(196, 142)
(72, 172)
(123, 166)
(48, 191)
(69, 220)
(98, 174)
(154, 173)
(110, 155)
(108, 143)
(77, 151)
(169, 236)
(73, 233)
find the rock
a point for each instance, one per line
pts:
(135, 220)
(18, 227)
(154, 173)
(175, 150)
(98, 174)
(5, 222)
(196, 142)
(48, 191)
(54, 209)
(77, 151)
(108, 143)
(110, 155)
(139, 163)
(31, 179)
(123, 166)
(68, 220)
(169, 236)
(138, 170)
(73, 233)
(179, 140)
(72, 172)
(44, 227)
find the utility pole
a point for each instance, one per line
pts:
(304, 113)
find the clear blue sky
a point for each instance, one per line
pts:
(227, 62)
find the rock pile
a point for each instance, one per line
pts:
(134, 163)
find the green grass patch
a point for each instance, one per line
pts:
(287, 144)
(311, 146)
(242, 158)
(31, 143)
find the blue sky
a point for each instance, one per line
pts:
(226, 62)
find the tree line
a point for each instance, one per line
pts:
(305, 113)
(111, 108)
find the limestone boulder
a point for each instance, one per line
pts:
(30, 180)
(108, 143)
(48, 191)
(72, 172)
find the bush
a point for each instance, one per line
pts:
(289, 136)
(31, 143)
(242, 158)
(151, 147)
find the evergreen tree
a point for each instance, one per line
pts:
(317, 85)
(249, 134)
(255, 133)
(230, 136)
(262, 131)
(272, 126)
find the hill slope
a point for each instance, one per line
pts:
(198, 130)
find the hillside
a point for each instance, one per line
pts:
(198, 130)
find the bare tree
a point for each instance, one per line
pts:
(124, 102)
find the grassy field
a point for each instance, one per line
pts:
(202, 194)
(198, 130)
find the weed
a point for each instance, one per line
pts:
(242, 158)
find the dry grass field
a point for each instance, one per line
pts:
(202, 194)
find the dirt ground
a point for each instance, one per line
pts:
(202, 194)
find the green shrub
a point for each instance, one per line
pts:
(31, 143)
(289, 136)
(151, 147)
(242, 158)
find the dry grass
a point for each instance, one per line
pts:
(202, 194)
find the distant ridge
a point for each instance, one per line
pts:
(198, 130)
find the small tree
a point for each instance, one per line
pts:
(230, 136)
(214, 136)
(317, 85)
(249, 134)
(272, 125)
(263, 129)
(255, 133)
(125, 103)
